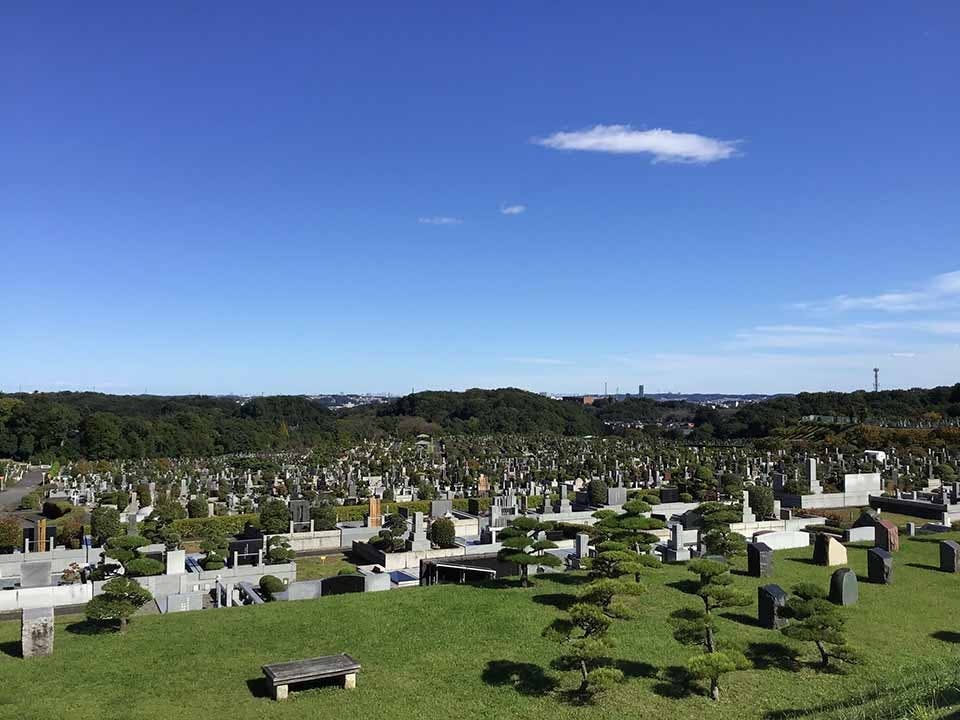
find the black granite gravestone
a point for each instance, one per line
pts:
(949, 556)
(879, 566)
(844, 589)
(771, 599)
(759, 559)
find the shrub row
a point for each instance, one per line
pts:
(193, 528)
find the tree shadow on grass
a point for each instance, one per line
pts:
(567, 578)
(501, 584)
(677, 682)
(11, 648)
(689, 587)
(766, 655)
(635, 669)
(949, 636)
(741, 618)
(525, 678)
(561, 601)
(89, 627)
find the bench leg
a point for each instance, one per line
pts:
(350, 681)
(280, 692)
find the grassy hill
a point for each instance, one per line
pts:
(470, 652)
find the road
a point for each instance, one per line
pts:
(11, 497)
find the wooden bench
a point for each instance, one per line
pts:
(282, 675)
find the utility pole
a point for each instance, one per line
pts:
(876, 379)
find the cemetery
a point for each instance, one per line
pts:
(449, 540)
(475, 649)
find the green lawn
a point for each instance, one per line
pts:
(312, 567)
(469, 652)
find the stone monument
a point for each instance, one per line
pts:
(844, 589)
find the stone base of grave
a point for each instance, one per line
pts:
(36, 632)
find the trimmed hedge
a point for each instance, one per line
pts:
(193, 528)
(142, 567)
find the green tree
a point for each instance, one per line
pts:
(761, 501)
(717, 536)
(813, 618)
(597, 490)
(278, 551)
(713, 666)
(443, 532)
(324, 516)
(274, 517)
(11, 536)
(121, 598)
(197, 508)
(583, 636)
(697, 627)
(519, 545)
(104, 524)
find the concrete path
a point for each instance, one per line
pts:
(11, 497)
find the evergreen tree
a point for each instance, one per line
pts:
(813, 618)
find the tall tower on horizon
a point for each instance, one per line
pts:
(876, 379)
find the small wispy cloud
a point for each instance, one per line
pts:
(903, 355)
(939, 292)
(440, 220)
(663, 145)
(513, 209)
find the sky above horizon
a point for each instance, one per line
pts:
(305, 198)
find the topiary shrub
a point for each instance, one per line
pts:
(127, 542)
(443, 533)
(143, 567)
(270, 585)
(686, 497)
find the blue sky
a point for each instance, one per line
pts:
(303, 198)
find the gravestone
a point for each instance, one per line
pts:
(418, 540)
(887, 536)
(669, 495)
(35, 574)
(439, 508)
(844, 589)
(616, 495)
(911, 529)
(771, 600)
(473, 506)
(582, 545)
(299, 513)
(829, 551)
(879, 566)
(36, 632)
(759, 559)
(747, 516)
(949, 556)
(342, 584)
(176, 561)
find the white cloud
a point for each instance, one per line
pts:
(904, 355)
(940, 291)
(664, 145)
(513, 209)
(440, 220)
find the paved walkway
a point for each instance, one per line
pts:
(11, 497)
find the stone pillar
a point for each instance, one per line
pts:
(350, 681)
(36, 632)
(280, 692)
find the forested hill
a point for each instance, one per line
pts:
(94, 425)
(494, 411)
(915, 405)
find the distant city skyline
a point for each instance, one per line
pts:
(755, 199)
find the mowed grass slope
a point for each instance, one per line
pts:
(469, 652)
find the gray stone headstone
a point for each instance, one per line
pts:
(35, 574)
(879, 566)
(771, 600)
(36, 632)
(949, 556)
(759, 559)
(300, 511)
(439, 508)
(582, 545)
(844, 589)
